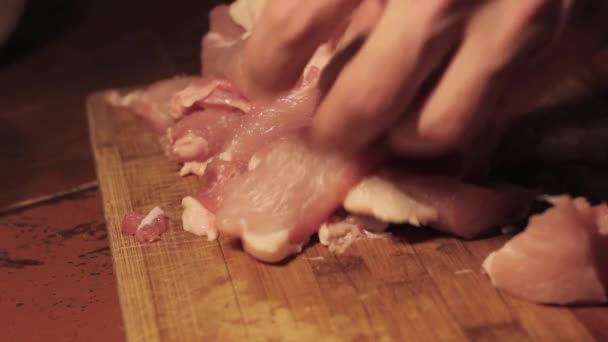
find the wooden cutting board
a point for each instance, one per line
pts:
(414, 286)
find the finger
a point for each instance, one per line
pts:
(375, 86)
(364, 19)
(350, 39)
(469, 86)
(445, 116)
(286, 37)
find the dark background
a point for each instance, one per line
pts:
(64, 50)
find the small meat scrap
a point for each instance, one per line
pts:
(147, 228)
(560, 258)
(194, 168)
(130, 222)
(339, 233)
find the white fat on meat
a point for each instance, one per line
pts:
(190, 146)
(207, 92)
(152, 102)
(194, 168)
(225, 156)
(190, 95)
(253, 162)
(270, 247)
(198, 220)
(339, 235)
(246, 13)
(381, 199)
(444, 203)
(148, 219)
(114, 98)
(151, 227)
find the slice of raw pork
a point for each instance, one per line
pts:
(561, 257)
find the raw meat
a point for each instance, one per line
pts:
(444, 203)
(267, 122)
(130, 221)
(340, 232)
(152, 104)
(277, 206)
(202, 134)
(217, 174)
(268, 186)
(208, 92)
(383, 199)
(560, 258)
(265, 184)
(198, 220)
(147, 228)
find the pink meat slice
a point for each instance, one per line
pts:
(264, 124)
(286, 198)
(152, 104)
(560, 258)
(267, 122)
(202, 134)
(217, 174)
(208, 92)
(445, 203)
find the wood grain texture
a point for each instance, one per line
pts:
(415, 286)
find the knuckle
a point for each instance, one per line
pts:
(282, 24)
(368, 103)
(443, 136)
(517, 35)
(276, 14)
(508, 30)
(438, 9)
(441, 6)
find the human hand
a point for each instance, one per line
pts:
(481, 45)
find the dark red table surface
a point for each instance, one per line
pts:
(56, 280)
